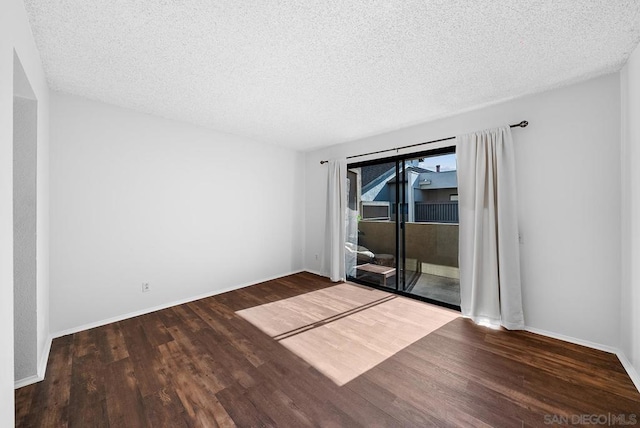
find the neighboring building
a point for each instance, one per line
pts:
(431, 196)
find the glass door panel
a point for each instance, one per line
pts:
(431, 230)
(371, 242)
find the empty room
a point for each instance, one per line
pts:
(389, 213)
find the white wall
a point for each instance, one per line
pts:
(15, 33)
(568, 183)
(137, 198)
(24, 236)
(630, 313)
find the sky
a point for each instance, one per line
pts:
(446, 162)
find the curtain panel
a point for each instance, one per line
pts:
(333, 261)
(490, 287)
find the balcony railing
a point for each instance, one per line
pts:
(437, 212)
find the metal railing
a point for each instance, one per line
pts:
(437, 212)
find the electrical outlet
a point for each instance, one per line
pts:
(146, 287)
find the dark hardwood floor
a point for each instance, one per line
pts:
(199, 364)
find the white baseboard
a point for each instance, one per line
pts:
(626, 364)
(314, 272)
(574, 340)
(44, 358)
(41, 369)
(133, 314)
(27, 381)
(631, 371)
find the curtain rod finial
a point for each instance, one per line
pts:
(323, 162)
(524, 124)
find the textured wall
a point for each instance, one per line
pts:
(24, 236)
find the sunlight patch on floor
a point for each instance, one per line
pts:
(345, 330)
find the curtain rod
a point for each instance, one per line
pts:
(522, 124)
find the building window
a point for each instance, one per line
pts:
(375, 210)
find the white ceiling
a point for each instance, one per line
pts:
(305, 74)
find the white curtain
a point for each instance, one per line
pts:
(333, 260)
(351, 234)
(490, 290)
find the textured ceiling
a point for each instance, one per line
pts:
(305, 74)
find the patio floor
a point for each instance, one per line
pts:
(439, 288)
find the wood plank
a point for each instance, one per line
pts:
(88, 393)
(192, 389)
(111, 344)
(125, 406)
(149, 371)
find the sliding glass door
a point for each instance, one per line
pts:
(403, 226)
